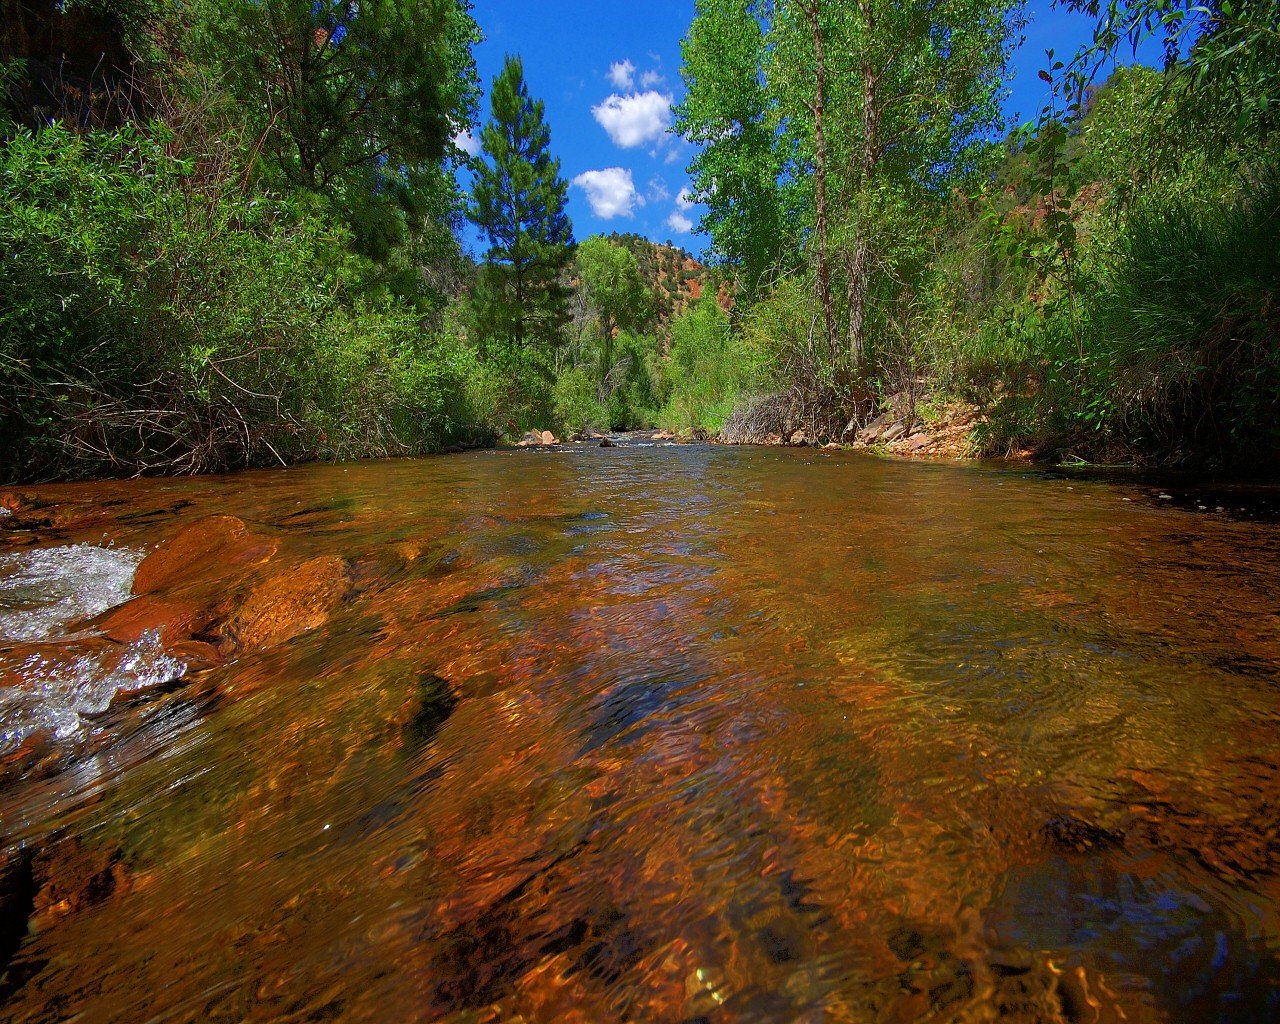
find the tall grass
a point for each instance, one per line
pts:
(1189, 319)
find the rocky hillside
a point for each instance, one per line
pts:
(677, 279)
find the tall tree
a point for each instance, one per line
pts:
(610, 275)
(518, 203)
(911, 97)
(743, 171)
(356, 101)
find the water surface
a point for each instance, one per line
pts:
(678, 734)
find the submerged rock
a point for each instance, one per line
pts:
(289, 604)
(213, 548)
(71, 875)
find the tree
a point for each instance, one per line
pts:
(518, 203)
(743, 170)
(1221, 55)
(610, 276)
(906, 108)
(356, 101)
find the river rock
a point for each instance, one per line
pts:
(215, 548)
(290, 604)
(11, 503)
(71, 875)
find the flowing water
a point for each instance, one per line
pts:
(656, 734)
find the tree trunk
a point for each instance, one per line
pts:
(859, 265)
(819, 108)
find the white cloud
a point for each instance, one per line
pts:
(467, 142)
(679, 223)
(634, 119)
(685, 199)
(622, 74)
(611, 192)
(658, 192)
(651, 78)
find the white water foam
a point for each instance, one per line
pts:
(58, 697)
(44, 589)
(42, 592)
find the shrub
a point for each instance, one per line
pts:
(709, 369)
(576, 406)
(154, 319)
(1189, 322)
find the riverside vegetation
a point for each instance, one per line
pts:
(231, 237)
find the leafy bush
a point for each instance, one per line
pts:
(709, 369)
(154, 319)
(1189, 324)
(577, 408)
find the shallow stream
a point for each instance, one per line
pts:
(669, 733)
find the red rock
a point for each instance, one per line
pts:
(290, 604)
(213, 548)
(71, 876)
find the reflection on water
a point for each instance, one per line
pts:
(684, 734)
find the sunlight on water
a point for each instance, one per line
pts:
(56, 690)
(656, 734)
(59, 697)
(46, 589)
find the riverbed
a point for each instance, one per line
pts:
(651, 733)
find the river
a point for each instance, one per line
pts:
(651, 733)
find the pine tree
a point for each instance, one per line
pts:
(518, 203)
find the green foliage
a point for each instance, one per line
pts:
(744, 170)
(518, 203)
(1189, 324)
(577, 408)
(1222, 59)
(147, 323)
(610, 276)
(710, 368)
(356, 102)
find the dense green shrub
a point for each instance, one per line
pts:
(576, 405)
(1189, 324)
(710, 368)
(155, 319)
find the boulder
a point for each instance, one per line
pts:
(287, 605)
(211, 549)
(549, 438)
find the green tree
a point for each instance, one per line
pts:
(610, 275)
(1222, 59)
(518, 203)
(911, 103)
(754, 205)
(354, 100)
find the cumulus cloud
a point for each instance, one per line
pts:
(467, 142)
(611, 192)
(651, 78)
(685, 199)
(622, 74)
(636, 118)
(679, 223)
(658, 191)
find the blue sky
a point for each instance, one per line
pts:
(607, 71)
